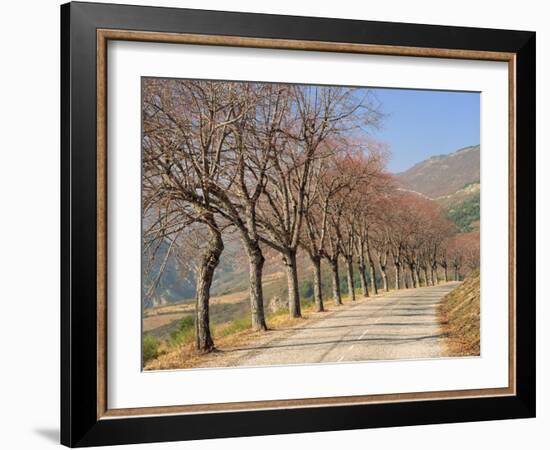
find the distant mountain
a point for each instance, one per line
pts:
(177, 282)
(443, 175)
(172, 285)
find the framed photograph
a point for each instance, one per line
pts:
(276, 224)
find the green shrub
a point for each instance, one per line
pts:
(306, 289)
(150, 348)
(185, 331)
(306, 303)
(463, 214)
(235, 326)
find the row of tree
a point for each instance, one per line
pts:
(287, 167)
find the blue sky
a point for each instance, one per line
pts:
(420, 124)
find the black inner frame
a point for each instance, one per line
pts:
(79, 424)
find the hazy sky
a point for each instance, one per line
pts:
(421, 124)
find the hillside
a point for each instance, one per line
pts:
(443, 174)
(177, 282)
(459, 313)
(230, 300)
(463, 207)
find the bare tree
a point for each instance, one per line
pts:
(220, 137)
(373, 185)
(347, 242)
(416, 237)
(254, 140)
(369, 182)
(329, 179)
(381, 244)
(391, 234)
(471, 250)
(356, 169)
(443, 260)
(351, 221)
(180, 194)
(184, 131)
(439, 228)
(182, 227)
(316, 113)
(331, 252)
(462, 253)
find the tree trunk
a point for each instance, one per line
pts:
(426, 276)
(384, 278)
(397, 276)
(335, 281)
(372, 275)
(417, 276)
(457, 277)
(256, 264)
(363, 278)
(289, 260)
(372, 272)
(414, 281)
(351, 287)
(205, 275)
(445, 273)
(317, 290)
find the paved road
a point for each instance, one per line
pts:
(400, 325)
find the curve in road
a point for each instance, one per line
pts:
(400, 325)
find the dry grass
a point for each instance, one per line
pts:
(231, 335)
(460, 316)
(160, 320)
(185, 357)
(167, 316)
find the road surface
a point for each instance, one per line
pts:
(400, 325)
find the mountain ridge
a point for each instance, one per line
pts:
(442, 175)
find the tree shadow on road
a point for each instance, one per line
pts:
(389, 339)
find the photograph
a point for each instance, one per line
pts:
(288, 224)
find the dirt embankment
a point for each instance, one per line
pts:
(459, 313)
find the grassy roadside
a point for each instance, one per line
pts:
(178, 353)
(459, 313)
